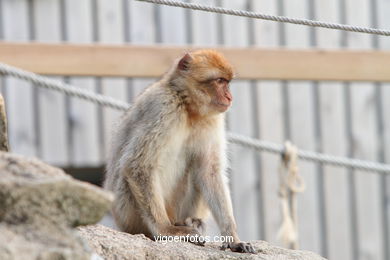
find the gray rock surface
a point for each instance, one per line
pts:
(112, 244)
(40, 206)
(3, 127)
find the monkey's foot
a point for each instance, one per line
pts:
(240, 247)
(196, 223)
(191, 234)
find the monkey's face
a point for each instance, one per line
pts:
(208, 75)
(219, 92)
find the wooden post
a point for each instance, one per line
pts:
(3, 127)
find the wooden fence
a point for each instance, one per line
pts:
(152, 61)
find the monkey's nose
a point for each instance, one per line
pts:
(229, 97)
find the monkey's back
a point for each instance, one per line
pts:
(135, 125)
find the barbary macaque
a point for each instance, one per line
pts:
(168, 155)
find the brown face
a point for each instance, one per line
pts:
(209, 72)
(221, 98)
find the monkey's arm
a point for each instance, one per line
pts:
(216, 193)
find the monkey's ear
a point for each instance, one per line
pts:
(184, 63)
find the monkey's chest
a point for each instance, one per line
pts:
(172, 164)
(177, 163)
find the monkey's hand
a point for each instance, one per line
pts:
(189, 233)
(196, 223)
(240, 247)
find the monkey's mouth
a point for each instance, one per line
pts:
(222, 106)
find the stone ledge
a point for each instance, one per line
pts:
(113, 244)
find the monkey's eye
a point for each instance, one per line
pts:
(222, 80)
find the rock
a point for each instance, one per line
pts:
(40, 206)
(3, 127)
(112, 244)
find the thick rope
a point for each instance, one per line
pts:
(256, 144)
(356, 164)
(290, 183)
(283, 19)
(62, 87)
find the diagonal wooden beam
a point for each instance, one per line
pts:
(153, 61)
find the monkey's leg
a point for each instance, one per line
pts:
(193, 214)
(125, 214)
(191, 208)
(151, 208)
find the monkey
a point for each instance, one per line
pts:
(167, 161)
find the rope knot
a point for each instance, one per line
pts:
(290, 184)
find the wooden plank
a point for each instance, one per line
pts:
(173, 30)
(204, 27)
(110, 31)
(243, 174)
(83, 115)
(141, 23)
(18, 93)
(152, 61)
(51, 103)
(271, 125)
(332, 108)
(383, 10)
(142, 32)
(364, 144)
(299, 107)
